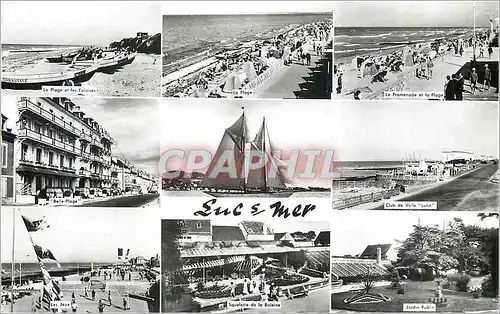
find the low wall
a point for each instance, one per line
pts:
(364, 198)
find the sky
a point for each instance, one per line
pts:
(76, 235)
(413, 13)
(133, 123)
(350, 235)
(296, 124)
(9, 109)
(77, 22)
(390, 130)
(243, 7)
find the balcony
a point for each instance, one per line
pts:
(85, 155)
(44, 139)
(84, 173)
(96, 143)
(85, 137)
(96, 158)
(46, 165)
(47, 115)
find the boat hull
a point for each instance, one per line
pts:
(284, 194)
(37, 85)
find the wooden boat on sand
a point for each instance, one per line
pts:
(74, 75)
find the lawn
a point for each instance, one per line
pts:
(416, 292)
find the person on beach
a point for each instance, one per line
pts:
(481, 51)
(430, 67)
(461, 50)
(93, 295)
(490, 51)
(74, 307)
(125, 304)
(245, 287)
(473, 80)
(487, 77)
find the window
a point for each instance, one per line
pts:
(38, 155)
(198, 225)
(49, 182)
(61, 161)
(51, 158)
(4, 155)
(71, 162)
(37, 128)
(24, 151)
(50, 133)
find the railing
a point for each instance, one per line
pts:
(399, 85)
(84, 172)
(352, 184)
(49, 141)
(27, 104)
(364, 198)
(95, 142)
(24, 189)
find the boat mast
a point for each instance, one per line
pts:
(243, 150)
(264, 129)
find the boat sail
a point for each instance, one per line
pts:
(242, 182)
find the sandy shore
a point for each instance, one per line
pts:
(29, 62)
(141, 78)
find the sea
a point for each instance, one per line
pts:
(352, 41)
(188, 35)
(8, 49)
(35, 267)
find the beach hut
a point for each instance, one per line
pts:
(249, 70)
(407, 56)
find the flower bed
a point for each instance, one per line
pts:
(288, 280)
(215, 292)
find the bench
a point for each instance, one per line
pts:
(295, 292)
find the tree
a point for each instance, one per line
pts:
(171, 232)
(427, 248)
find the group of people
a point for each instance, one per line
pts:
(236, 70)
(268, 291)
(454, 85)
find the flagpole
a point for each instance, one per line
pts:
(13, 256)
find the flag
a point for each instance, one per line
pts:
(120, 252)
(35, 225)
(44, 253)
(126, 256)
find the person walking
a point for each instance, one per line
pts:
(100, 306)
(93, 295)
(460, 87)
(473, 80)
(487, 78)
(125, 304)
(233, 290)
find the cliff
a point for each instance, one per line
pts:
(144, 44)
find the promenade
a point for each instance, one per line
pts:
(297, 81)
(406, 81)
(119, 289)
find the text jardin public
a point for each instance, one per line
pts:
(279, 210)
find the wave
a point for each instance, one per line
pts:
(374, 36)
(352, 45)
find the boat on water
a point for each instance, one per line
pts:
(259, 182)
(74, 75)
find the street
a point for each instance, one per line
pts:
(472, 191)
(124, 201)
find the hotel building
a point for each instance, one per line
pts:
(58, 145)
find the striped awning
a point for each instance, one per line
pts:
(214, 263)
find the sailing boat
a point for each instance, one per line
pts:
(256, 182)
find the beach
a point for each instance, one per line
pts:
(248, 56)
(141, 78)
(384, 46)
